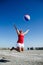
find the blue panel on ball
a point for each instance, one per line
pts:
(26, 18)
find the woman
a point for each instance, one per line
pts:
(20, 41)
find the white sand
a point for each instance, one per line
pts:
(31, 57)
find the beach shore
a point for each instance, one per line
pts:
(27, 57)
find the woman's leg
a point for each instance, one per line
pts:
(22, 49)
(19, 49)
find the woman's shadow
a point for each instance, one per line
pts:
(3, 60)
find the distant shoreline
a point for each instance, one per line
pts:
(28, 48)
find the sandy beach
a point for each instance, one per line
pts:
(30, 57)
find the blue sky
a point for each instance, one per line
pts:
(12, 12)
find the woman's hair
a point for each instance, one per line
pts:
(20, 31)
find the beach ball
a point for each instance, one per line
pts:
(27, 17)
